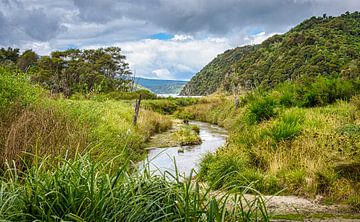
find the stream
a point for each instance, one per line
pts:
(186, 158)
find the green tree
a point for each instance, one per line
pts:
(27, 59)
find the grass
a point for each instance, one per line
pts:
(187, 134)
(80, 189)
(180, 135)
(294, 149)
(32, 122)
(72, 160)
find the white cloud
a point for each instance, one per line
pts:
(180, 59)
(201, 28)
(182, 37)
(163, 74)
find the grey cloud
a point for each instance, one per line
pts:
(39, 25)
(19, 23)
(212, 16)
(98, 11)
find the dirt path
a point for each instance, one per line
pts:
(293, 208)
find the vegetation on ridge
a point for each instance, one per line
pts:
(326, 46)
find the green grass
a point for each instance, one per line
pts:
(80, 189)
(32, 122)
(73, 160)
(305, 151)
(187, 135)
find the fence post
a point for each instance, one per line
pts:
(137, 108)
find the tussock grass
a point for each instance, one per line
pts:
(298, 150)
(31, 122)
(80, 189)
(187, 135)
(72, 160)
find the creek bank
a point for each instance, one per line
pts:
(186, 157)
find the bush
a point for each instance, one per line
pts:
(204, 165)
(169, 105)
(16, 88)
(288, 127)
(294, 180)
(325, 91)
(225, 172)
(186, 135)
(161, 106)
(261, 108)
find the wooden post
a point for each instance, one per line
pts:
(237, 103)
(137, 108)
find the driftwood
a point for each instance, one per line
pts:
(137, 108)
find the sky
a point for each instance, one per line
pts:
(164, 39)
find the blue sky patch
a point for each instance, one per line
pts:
(162, 36)
(254, 31)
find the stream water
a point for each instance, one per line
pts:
(187, 157)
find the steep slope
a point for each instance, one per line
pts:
(319, 46)
(210, 78)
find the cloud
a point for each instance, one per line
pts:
(168, 38)
(20, 23)
(212, 16)
(173, 59)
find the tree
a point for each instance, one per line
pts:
(9, 55)
(27, 59)
(84, 71)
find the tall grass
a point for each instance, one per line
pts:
(288, 146)
(32, 122)
(83, 190)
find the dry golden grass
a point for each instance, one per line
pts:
(304, 165)
(37, 130)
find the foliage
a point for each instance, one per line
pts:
(210, 78)
(168, 105)
(8, 56)
(15, 88)
(349, 130)
(325, 46)
(288, 127)
(187, 135)
(261, 108)
(85, 190)
(116, 95)
(84, 71)
(27, 60)
(300, 151)
(34, 123)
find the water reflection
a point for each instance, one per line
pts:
(187, 157)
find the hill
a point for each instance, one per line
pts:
(328, 46)
(161, 86)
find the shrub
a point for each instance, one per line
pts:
(288, 127)
(224, 171)
(186, 135)
(161, 106)
(325, 91)
(261, 108)
(16, 88)
(294, 180)
(204, 165)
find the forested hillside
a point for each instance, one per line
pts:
(328, 46)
